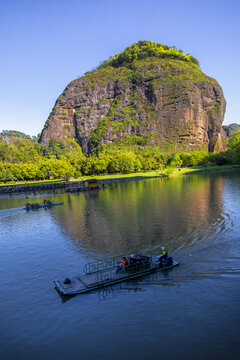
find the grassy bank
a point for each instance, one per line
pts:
(186, 171)
(151, 174)
(138, 175)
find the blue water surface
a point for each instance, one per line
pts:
(188, 312)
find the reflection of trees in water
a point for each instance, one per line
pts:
(140, 214)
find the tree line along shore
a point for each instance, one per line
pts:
(23, 159)
(76, 185)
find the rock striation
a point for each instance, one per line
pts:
(147, 95)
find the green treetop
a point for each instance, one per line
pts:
(144, 49)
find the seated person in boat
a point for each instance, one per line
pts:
(35, 205)
(123, 264)
(46, 202)
(133, 259)
(163, 258)
(133, 263)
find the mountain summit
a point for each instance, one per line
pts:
(148, 94)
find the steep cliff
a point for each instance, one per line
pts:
(148, 94)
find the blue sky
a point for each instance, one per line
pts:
(47, 44)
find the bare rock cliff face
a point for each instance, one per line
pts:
(166, 102)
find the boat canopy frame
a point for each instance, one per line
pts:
(99, 265)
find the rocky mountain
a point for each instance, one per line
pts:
(148, 94)
(228, 130)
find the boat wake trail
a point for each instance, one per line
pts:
(205, 234)
(192, 271)
(9, 212)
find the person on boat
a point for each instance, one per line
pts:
(133, 259)
(48, 202)
(44, 201)
(35, 205)
(124, 261)
(123, 264)
(163, 256)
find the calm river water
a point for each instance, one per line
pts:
(189, 312)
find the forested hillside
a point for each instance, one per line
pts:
(23, 158)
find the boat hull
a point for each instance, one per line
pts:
(42, 206)
(79, 285)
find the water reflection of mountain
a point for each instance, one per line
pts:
(140, 214)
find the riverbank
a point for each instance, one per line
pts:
(200, 169)
(61, 184)
(155, 174)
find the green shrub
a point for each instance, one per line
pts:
(144, 49)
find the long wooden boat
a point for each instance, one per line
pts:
(104, 273)
(39, 206)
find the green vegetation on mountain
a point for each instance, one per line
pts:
(132, 67)
(15, 134)
(145, 49)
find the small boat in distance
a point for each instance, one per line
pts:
(36, 206)
(104, 273)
